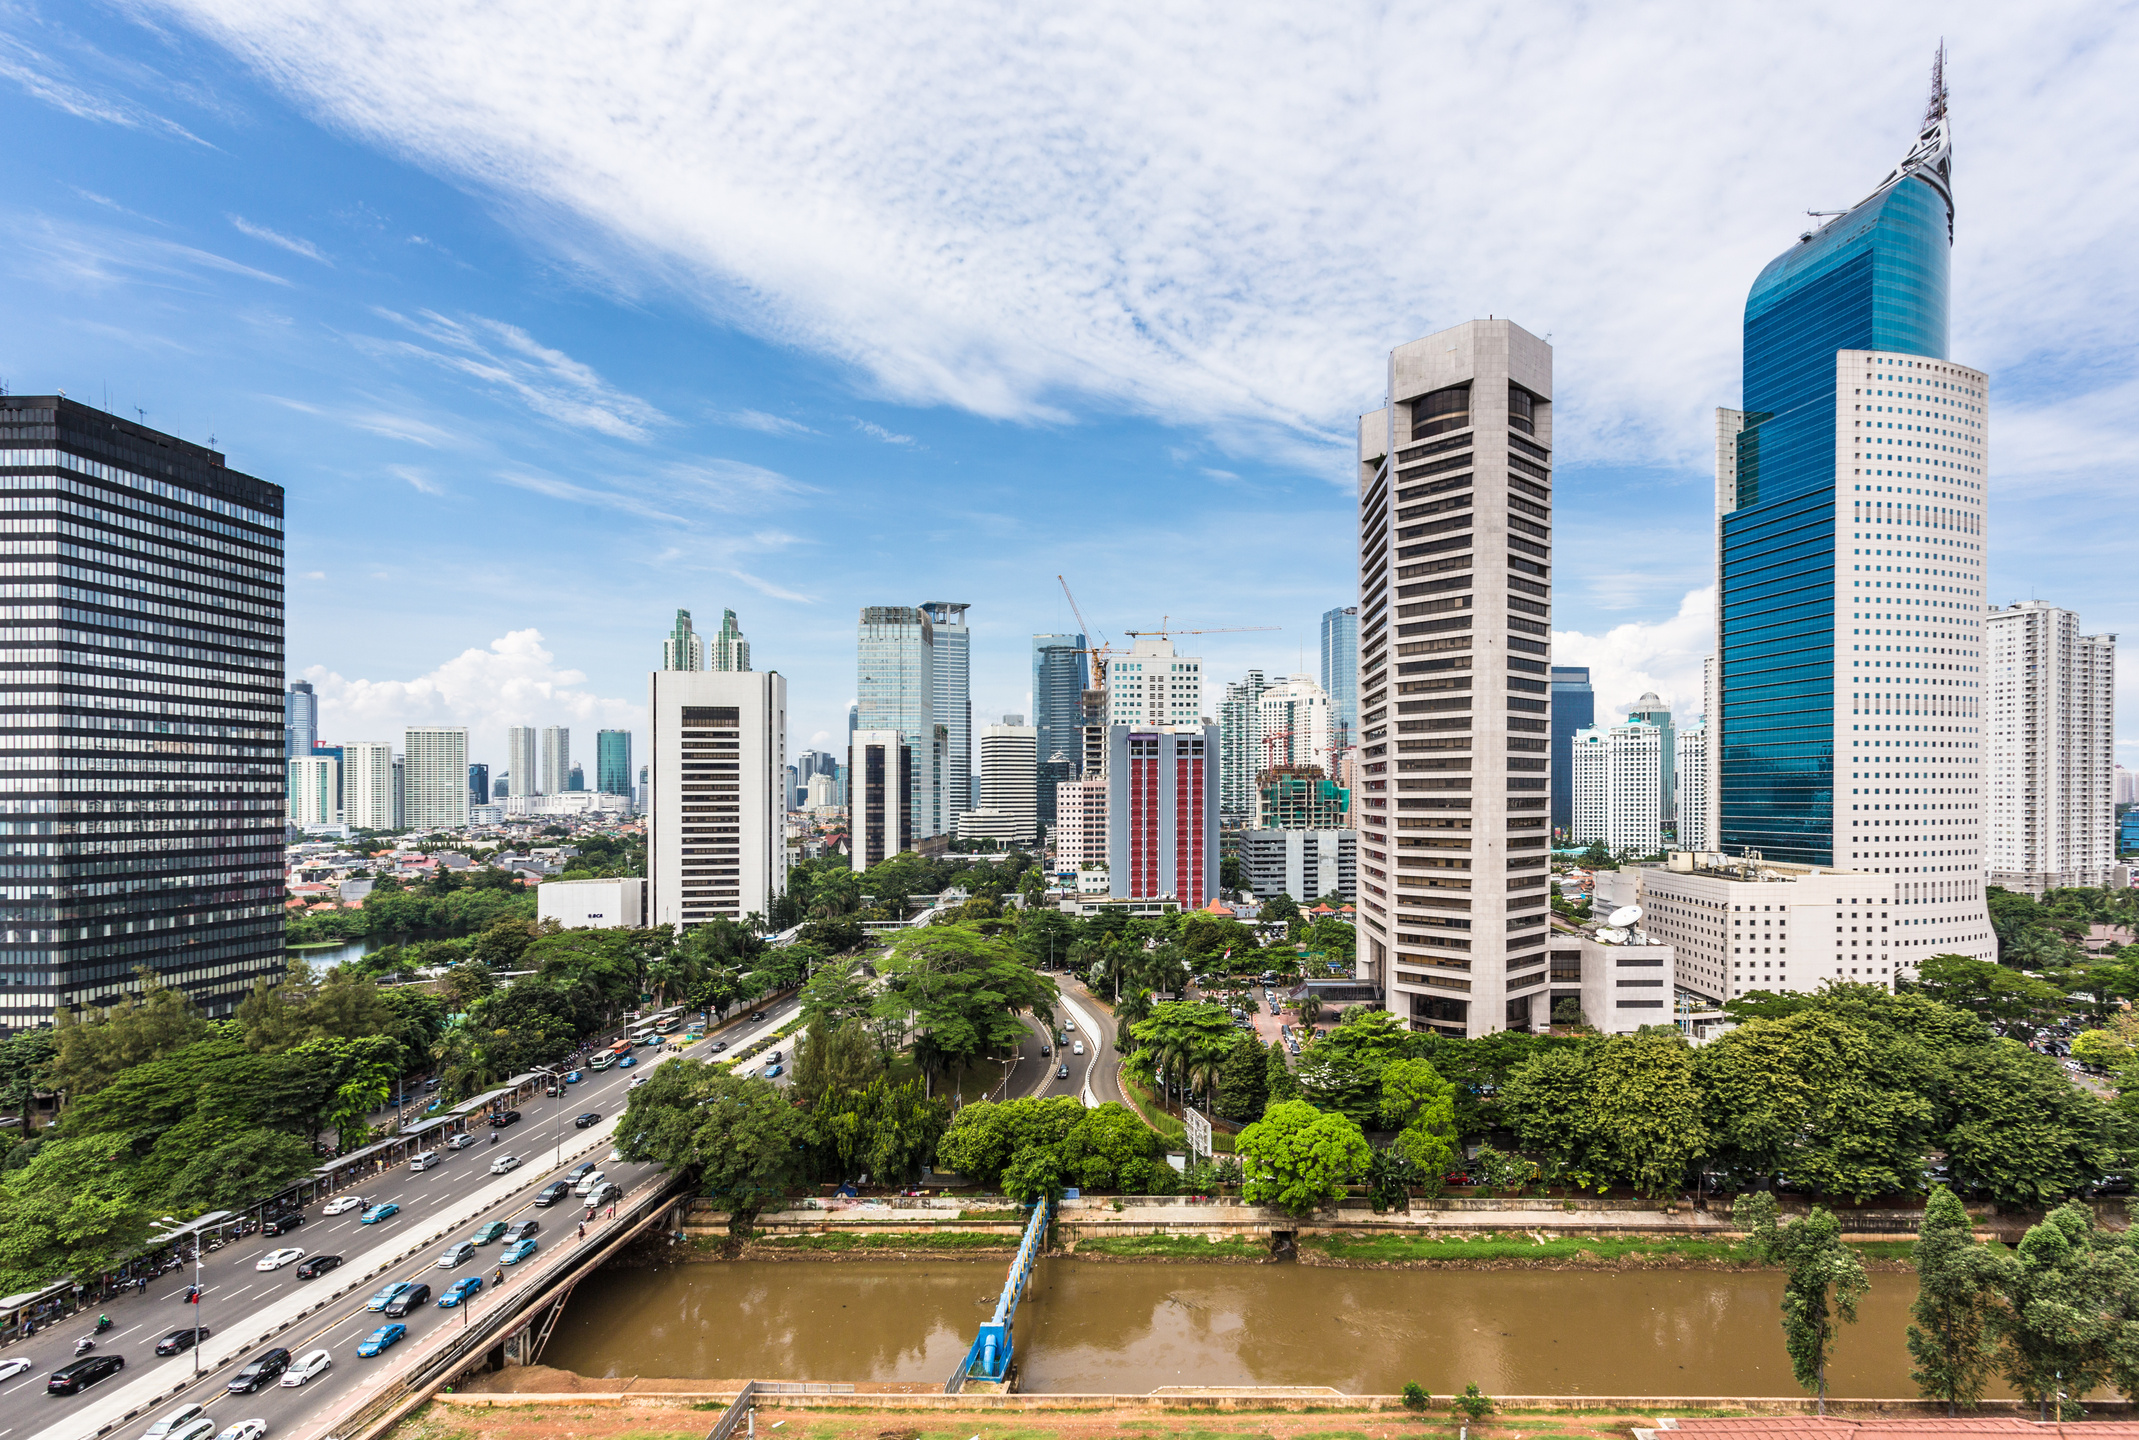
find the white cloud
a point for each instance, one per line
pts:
(1664, 656)
(1227, 224)
(417, 478)
(516, 681)
(767, 424)
(505, 357)
(275, 237)
(878, 432)
(41, 77)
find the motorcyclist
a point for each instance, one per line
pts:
(103, 1323)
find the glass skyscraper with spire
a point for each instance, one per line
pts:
(1850, 510)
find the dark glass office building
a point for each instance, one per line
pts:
(1061, 669)
(1574, 707)
(142, 705)
(612, 762)
(478, 784)
(1871, 280)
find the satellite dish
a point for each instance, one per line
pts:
(1624, 917)
(1611, 936)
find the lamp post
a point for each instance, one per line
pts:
(198, 1295)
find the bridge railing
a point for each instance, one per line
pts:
(990, 1355)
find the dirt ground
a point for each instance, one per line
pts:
(655, 1422)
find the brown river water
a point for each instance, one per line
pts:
(1128, 1329)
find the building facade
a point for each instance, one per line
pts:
(368, 784)
(1061, 672)
(1738, 925)
(954, 711)
(1618, 787)
(300, 720)
(1455, 641)
(1152, 686)
(1651, 710)
(1340, 672)
(681, 649)
(435, 767)
(1847, 731)
(1162, 813)
(523, 752)
(1081, 825)
(730, 651)
(146, 723)
(315, 791)
(1240, 746)
(478, 785)
(1297, 723)
(1694, 800)
(612, 761)
(2050, 733)
(716, 835)
(1304, 864)
(556, 760)
(593, 904)
(1301, 797)
(1008, 811)
(895, 689)
(881, 796)
(1574, 707)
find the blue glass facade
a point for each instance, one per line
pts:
(1875, 279)
(1574, 707)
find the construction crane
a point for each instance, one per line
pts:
(1100, 653)
(1213, 630)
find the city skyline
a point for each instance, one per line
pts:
(477, 415)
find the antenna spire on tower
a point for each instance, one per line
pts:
(1935, 110)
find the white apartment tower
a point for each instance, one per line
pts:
(1298, 724)
(730, 651)
(556, 759)
(368, 784)
(1455, 654)
(521, 763)
(1153, 687)
(315, 791)
(2051, 733)
(1009, 809)
(435, 763)
(1694, 814)
(1619, 787)
(1081, 824)
(1240, 748)
(716, 833)
(954, 709)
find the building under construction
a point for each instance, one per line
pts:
(1301, 797)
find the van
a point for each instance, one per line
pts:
(602, 1060)
(424, 1161)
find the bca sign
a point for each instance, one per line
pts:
(1199, 1133)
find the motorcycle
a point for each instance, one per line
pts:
(84, 1345)
(103, 1323)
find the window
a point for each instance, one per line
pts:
(1441, 411)
(1521, 412)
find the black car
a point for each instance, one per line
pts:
(181, 1340)
(519, 1230)
(72, 1379)
(757, 1014)
(317, 1266)
(551, 1193)
(415, 1297)
(580, 1172)
(283, 1224)
(592, 1117)
(504, 1118)
(263, 1371)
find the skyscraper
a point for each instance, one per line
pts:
(1296, 726)
(895, 690)
(731, 652)
(716, 833)
(612, 762)
(1162, 813)
(368, 784)
(1152, 686)
(575, 779)
(144, 783)
(881, 796)
(2050, 737)
(523, 765)
(1618, 787)
(1456, 646)
(1240, 748)
(1340, 672)
(300, 720)
(1061, 669)
(1850, 544)
(556, 759)
(1574, 707)
(435, 764)
(1695, 811)
(954, 708)
(1007, 811)
(478, 784)
(683, 648)
(315, 791)
(1650, 710)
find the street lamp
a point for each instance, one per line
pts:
(198, 1295)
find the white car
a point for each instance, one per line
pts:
(504, 1163)
(276, 1259)
(304, 1367)
(245, 1430)
(461, 1141)
(9, 1369)
(183, 1415)
(638, 1080)
(343, 1204)
(589, 1183)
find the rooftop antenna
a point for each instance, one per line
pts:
(1935, 108)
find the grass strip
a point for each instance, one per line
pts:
(1176, 1247)
(902, 1240)
(1507, 1245)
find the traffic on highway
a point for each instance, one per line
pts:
(307, 1374)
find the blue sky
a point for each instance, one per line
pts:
(555, 317)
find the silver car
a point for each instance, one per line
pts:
(457, 1254)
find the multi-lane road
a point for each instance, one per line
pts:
(1091, 1075)
(239, 1299)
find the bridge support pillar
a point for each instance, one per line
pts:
(519, 1346)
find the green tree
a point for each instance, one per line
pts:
(886, 1131)
(834, 1057)
(1184, 1042)
(1279, 1081)
(839, 990)
(159, 1021)
(732, 1137)
(1952, 1340)
(2014, 1125)
(2067, 1290)
(26, 1059)
(1299, 1159)
(961, 993)
(1243, 1080)
(1825, 1282)
(1421, 1107)
(1986, 988)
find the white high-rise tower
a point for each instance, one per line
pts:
(2051, 731)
